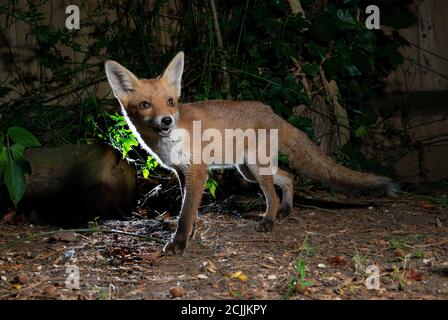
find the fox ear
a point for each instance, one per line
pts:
(173, 73)
(121, 80)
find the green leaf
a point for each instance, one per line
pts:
(362, 131)
(307, 283)
(311, 69)
(211, 186)
(15, 181)
(22, 136)
(345, 16)
(316, 50)
(303, 123)
(145, 173)
(151, 163)
(17, 150)
(352, 71)
(3, 160)
(127, 144)
(283, 158)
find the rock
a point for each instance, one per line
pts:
(177, 292)
(400, 253)
(63, 237)
(21, 278)
(300, 288)
(50, 290)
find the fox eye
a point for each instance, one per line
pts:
(145, 105)
(170, 102)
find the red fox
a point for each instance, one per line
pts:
(164, 127)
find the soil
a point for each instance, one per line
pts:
(405, 238)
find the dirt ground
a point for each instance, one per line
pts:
(405, 237)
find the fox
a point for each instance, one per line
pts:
(163, 126)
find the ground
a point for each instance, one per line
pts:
(327, 248)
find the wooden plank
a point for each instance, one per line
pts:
(426, 61)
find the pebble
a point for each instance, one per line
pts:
(21, 278)
(177, 292)
(300, 288)
(50, 290)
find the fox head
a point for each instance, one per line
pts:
(149, 103)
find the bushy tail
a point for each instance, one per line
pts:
(306, 157)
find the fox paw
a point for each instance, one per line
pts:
(175, 247)
(284, 211)
(265, 225)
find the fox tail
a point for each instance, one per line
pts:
(309, 160)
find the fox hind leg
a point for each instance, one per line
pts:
(266, 183)
(284, 180)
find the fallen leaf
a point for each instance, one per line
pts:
(427, 205)
(177, 291)
(210, 266)
(63, 237)
(50, 290)
(239, 275)
(202, 276)
(8, 217)
(300, 288)
(400, 253)
(413, 275)
(337, 261)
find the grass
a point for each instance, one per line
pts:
(300, 277)
(307, 248)
(360, 262)
(405, 243)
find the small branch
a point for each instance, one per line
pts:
(86, 230)
(296, 7)
(226, 76)
(343, 124)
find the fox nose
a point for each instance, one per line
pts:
(167, 121)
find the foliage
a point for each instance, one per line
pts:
(63, 102)
(13, 166)
(211, 186)
(298, 280)
(121, 138)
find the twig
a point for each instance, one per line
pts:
(317, 208)
(430, 244)
(226, 77)
(87, 230)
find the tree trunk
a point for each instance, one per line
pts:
(72, 183)
(329, 136)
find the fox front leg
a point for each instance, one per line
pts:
(195, 177)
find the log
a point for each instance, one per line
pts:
(74, 183)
